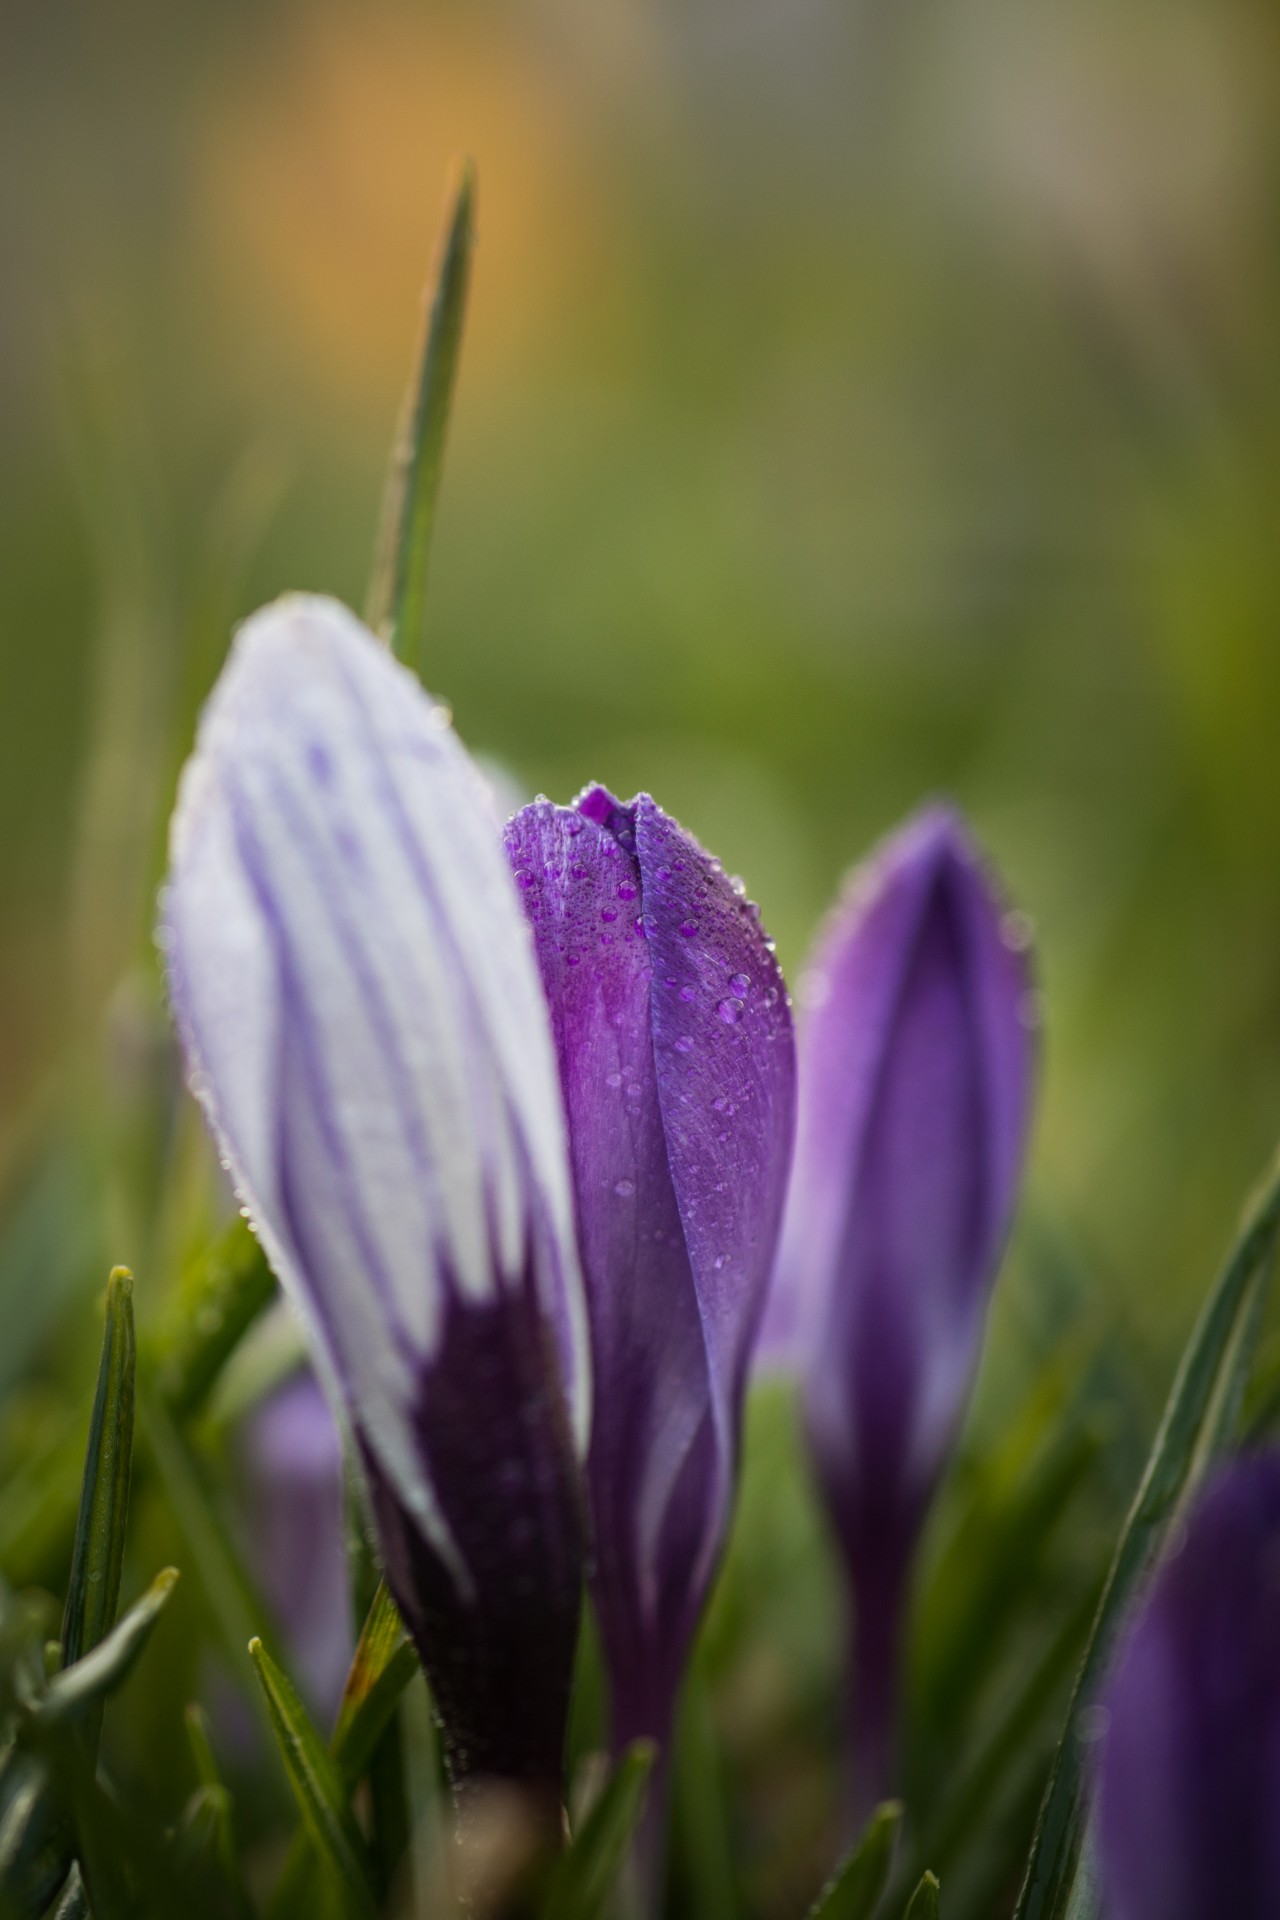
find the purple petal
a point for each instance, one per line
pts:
(916, 1064)
(365, 1027)
(672, 1030)
(291, 1461)
(1189, 1783)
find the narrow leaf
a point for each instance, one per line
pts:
(701, 1826)
(383, 1665)
(230, 1288)
(236, 1609)
(73, 1902)
(923, 1904)
(317, 1787)
(1198, 1419)
(398, 593)
(855, 1892)
(98, 1554)
(111, 1662)
(215, 1804)
(583, 1880)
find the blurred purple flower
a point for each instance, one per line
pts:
(292, 1500)
(363, 1023)
(916, 1069)
(673, 1029)
(1188, 1803)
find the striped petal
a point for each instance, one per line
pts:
(363, 1023)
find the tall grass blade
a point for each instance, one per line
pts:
(398, 592)
(97, 1556)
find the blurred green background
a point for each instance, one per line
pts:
(858, 401)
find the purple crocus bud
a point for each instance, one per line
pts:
(673, 1031)
(364, 1025)
(291, 1483)
(1188, 1799)
(916, 1068)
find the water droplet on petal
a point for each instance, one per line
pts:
(684, 1044)
(688, 994)
(624, 1188)
(608, 913)
(613, 1079)
(627, 890)
(1017, 931)
(730, 1011)
(688, 928)
(739, 983)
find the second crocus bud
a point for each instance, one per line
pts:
(916, 1066)
(673, 1034)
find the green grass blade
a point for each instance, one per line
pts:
(237, 1611)
(923, 1904)
(97, 1556)
(1197, 1420)
(73, 1902)
(109, 1664)
(383, 1664)
(856, 1889)
(216, 1800)
(230, 1288)
(582, 1882)
(398, 593)
(317, 1787)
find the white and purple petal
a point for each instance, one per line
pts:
(364, 1025)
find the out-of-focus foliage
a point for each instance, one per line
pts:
(855, 402)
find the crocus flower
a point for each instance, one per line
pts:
(292, 1501)
(364, 1025)
(673, 1032)
(1188, 1795)
(916, 1062)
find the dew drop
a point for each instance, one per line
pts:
(640, 927)
(719, 1103)
(688, 994)
(633, 1091)
(1017, 931)
(627, 889)
(684, 1044)
(688, 928)
(730, 1011)
(608, 913)
(624, 1188)
(613, 1080)
(662, 873)
(573, 959)
(739, 983)
(523, 877)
